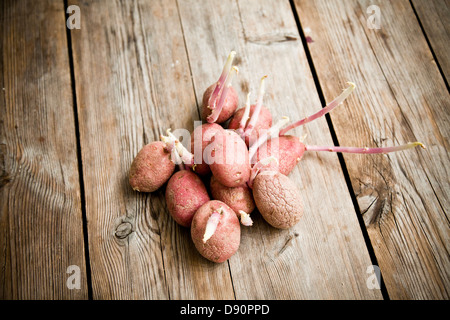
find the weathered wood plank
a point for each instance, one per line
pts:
(401, 97)
(132, 83)
(324, 256)
(40, 211)
(434, 16)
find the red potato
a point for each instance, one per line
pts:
(220, 99)
(185, 193)
(288, 150)
(151, 167)
(264, 122)
(227, 156)
(216, 231)
(200, 138)
(238, 198)
(277, 199)
(229, 106)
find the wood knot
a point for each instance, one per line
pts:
(123, 230)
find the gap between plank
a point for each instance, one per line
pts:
(79, 158)
(368, 243)
(430, 46)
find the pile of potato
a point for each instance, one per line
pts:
(247, 165)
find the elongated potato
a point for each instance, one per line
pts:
(151, 168)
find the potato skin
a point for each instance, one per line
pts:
(185, 193)
(264, 122)
(277, 199)
(229, 106)
(288, 150)
(202, 135)
(228, 159)
(225, 241)
(151, 168)
(237, 198)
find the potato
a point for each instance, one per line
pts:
(277, 199)
(151, 168)
(229, 106)
(238, 198)
(288, 150)
(185, 193)
(226, 238)
(228, 160)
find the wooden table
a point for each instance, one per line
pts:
(77, 105)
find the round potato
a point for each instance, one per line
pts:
(277, 199)
(227, 156)
(229, 106)
(185, 193)
(238, 198)
(226, 238)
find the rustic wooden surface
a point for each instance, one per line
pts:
(434, 17)
(401, 97)
(40, 202)
(78, 105)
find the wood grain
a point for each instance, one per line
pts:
(401, 97)
(434, 15)
(132, 83)
(324, 256)
(40, 211)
